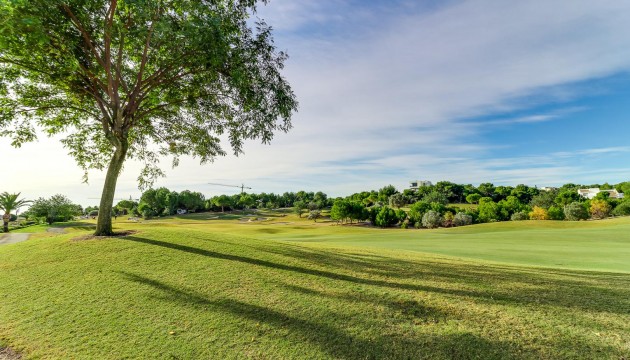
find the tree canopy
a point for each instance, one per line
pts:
(139, 79)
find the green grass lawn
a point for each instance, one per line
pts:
(202, 286)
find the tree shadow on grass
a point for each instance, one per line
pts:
(531, 288)
(336, 342)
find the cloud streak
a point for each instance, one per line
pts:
(398, 91)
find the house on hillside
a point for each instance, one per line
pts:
(592, 192)
(548, 188)
(415, 184)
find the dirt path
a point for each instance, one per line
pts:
(10, 238)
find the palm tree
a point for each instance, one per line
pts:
(8, 203)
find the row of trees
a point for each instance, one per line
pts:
(429, 205)
(54, 209)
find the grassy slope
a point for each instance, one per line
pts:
(587, 245)
(239, 296)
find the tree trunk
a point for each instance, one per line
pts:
(104, 222)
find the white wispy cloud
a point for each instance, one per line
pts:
(385, 92)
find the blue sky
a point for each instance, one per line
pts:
(507, 92)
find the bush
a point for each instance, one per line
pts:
(401, 215)
(622, 209)
(600, 209)
(417, 225)
(448, 219)
(386, 217)
(519, 216)
(555, 213)
(539, 213)
(314, 215)
(405, 224)
(432, 219)
(462, 219)
(417, 211)
(575, 211)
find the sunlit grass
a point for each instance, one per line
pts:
(191, 288)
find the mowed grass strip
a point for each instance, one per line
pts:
(602, 245)
(186, 293)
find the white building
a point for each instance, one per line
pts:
(592, 192)
(415, 184)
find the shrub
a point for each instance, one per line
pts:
(555, 213)
(448, 219)
(519, 216)
(405, 224)
(401, 215)
(539, 213)
(600, 209)
(575, 211)
(432, 219)
(417, 211)
(314, 215)
(462, 219)
(622, 209)
(488, 210)
(417, 225)
(386, 217)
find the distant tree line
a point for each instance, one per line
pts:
(444, 204)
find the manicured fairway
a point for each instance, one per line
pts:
(289, 289)
(588, 245)
(601, 245)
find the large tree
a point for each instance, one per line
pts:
(139, 79)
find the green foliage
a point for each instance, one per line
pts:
(223, 201)
(343, 210)
(566, 197)
(385, 192)
(575, 211)
(544, 199)
(401, 215)
(191, 200)
(56, 208)
(510, 205)
(462, 219)
(8, 203)
(417, 211)
(314, 215)
(386, 217)
(520, 216)
(473, 198)
(490, 211)
(486, 189)
(141, 80)
(524, 193)
(432, 219)
(299, 207)
(623, 209)
(397, 200)
(453, 192)
(555, 213)
(435, 197)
